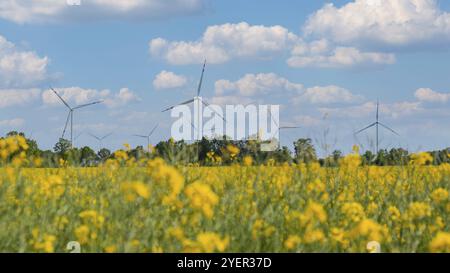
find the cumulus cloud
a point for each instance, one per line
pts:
(20, 68)
(231, 100)
(327, 95)
(42, 11)
(17, 97)
(77, 96)
(12, 123)
(392, 110)
(252, 84)
(321, 55)
(220, 43)
(428, 95)
(307, 121)
(381, 23)
(124, 97)
(168, 80)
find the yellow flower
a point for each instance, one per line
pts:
(233, 150)
(441, 243)
(353, 211)
(439, 195)
(315, 212)
(394, 214)
(371, 230)
(206, 242)
(314, 236)
(419, 210)
(292, 242)
(111, 249)
(82, 234)
(92, 217)
(202, 197)
(168, 176)
(136, 189)
(421, 159)
(248, 160)
(176, 232)
(44, 243)
(210, 242)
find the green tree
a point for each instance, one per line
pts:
(103, 154)
(62, 147)
(304, 151)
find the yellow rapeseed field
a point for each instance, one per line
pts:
(150, 206)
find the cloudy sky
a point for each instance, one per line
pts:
(325, 62)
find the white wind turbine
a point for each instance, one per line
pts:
(70, 115)
(197, 100)
(281, 128)
(100, 139)
(148, 137)
(377, 123)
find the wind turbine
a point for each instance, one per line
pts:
(148, 137)
(100, 139)
(197, 100)
(281, 128)
(70, 115)
(377, 123)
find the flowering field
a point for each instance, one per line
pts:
(150, 206)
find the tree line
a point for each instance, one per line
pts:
(209, 152)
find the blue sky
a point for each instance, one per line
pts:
(325, 62)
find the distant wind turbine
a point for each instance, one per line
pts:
(100, 139)
(199, 100)
(281, 128)
(377, 123)
(148, 136)
(70, 115)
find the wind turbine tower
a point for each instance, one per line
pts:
(70, 115)
(377, 124)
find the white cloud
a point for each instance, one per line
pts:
(77, 96)
(124, 97)
(17, 97)
(20, 68)
(374, 23)
(306, 121)
(327, 95)
(321, 55)
(220, 43)
(253, 84)
(168, 80)
(12, 123)
(428, 95)
(393, 110)
(41, 11)
(230, 100)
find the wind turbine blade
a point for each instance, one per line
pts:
(67, 123)
(108, 135)
(201, 80)
(63, 101)
(153, 130)
(183, 103)
(94, 136)
(207, 105)
(141, 136)
(386, 127)
(378, 109)
(274, 121)
(78, 136)
(87, 104)
(289, 127)
(362, 130)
